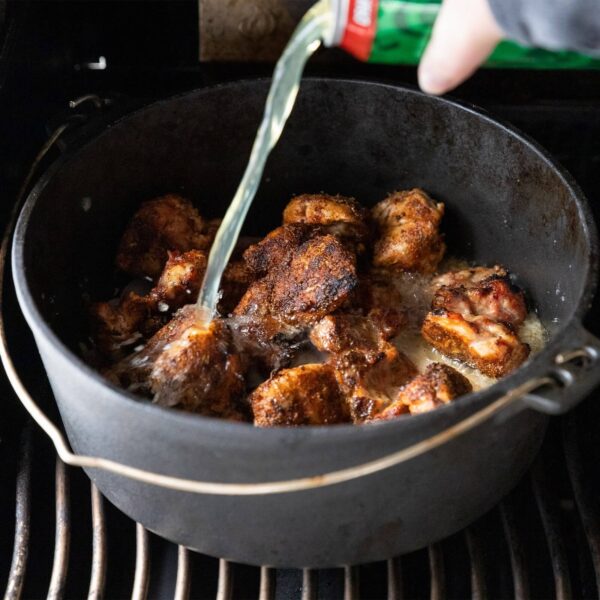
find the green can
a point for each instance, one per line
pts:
(397, 32)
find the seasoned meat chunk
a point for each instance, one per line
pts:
(341, 333)
(276, 249)
(180, 280)
(256, 301)
(313, 279)
(479, 291)
(166, 223)
(133, 371)
(478, 341)
(121, 324)
(370, 370)
(200, 372)
(187, 365)
(182, 320)
(408, 232)
(337, 215)
(321, 276)
(260, 334)
(124, 322)
(305, 395)
(373, 386)
(468, 277)
(440, 384)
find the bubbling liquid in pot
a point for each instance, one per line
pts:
(312, 30)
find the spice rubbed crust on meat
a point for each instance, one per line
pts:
(311, 317)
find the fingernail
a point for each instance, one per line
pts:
(431, 83)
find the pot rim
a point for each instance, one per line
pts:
(470, 402)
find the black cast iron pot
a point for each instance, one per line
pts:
(507, 202)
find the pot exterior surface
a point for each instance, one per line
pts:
(373, 518)
(505, 203)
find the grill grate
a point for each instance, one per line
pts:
(520, 549)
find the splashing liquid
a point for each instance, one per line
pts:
(315, 27)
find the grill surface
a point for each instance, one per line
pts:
(541, 542)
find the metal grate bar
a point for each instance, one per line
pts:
(351, 583)
(516, 551)
(142, 564)
(586, 504)
(436, 571)
(225, 586)
(182, 583)
(98, 575)
(478, 585)
(267, 588)
(556, 547)
(394, 579)
(18, 567)
(60, 566)
(309, 585)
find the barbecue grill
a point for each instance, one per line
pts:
(60, 538)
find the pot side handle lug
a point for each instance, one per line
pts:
(576, 372)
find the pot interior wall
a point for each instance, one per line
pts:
(505, 203)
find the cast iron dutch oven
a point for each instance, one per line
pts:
(507, 202)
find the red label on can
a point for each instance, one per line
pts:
(360, 29)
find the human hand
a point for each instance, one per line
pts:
(464, 35)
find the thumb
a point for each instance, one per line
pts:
(464, 35)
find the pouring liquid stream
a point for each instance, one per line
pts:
(307, 38)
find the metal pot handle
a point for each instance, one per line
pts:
(576, 373)
(586, 351)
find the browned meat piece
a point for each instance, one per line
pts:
(303, 282)
(479, 291)
(408, 227)
(305, 395)
(468, 277)
(199, 372)
(341, 333)
(119, 325)
(337, 215)
(189, 366)
(133, 372)
(276, 249)
(180, 280)
(373, 386)
(234, 284)
(260, 335)
(182, 320)
(440, 384)
(370, 370)
(265, 342)
(256, 302)
(478, 341)
(160, 225)
(321, 276)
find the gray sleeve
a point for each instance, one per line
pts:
(551, 24)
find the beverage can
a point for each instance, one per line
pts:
(397, 32)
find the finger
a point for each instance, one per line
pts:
(464, 35)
